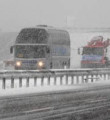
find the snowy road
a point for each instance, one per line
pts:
(85, 102)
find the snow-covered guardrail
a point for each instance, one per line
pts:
(72, 75)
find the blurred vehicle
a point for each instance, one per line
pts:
(42, 47)
(96, 53)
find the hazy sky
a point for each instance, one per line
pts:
(16, 14)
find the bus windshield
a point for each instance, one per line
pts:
(30, 51)
(32, 35)
(93, 51)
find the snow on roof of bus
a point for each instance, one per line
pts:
(43, 26)
(50, 27)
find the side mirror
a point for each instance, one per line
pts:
(79, 51)
(11, 49)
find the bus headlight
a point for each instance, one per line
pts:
(40, 64)
(18, 63)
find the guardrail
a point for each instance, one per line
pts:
(72, 75)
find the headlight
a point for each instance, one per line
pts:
(40, 64)
(18, 63)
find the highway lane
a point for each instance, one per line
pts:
(81, 104)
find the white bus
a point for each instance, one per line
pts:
(42, 47)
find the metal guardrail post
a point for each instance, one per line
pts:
(77, 79)
(20, 82)
(104, 76)
(12, 82)
(27, 82)
(35, 81)
(42, 81)
(108, 76)
(66, 79)
(61, 80)
(101, 75)
(86, 79)
(83, 78)
(96, 77)
(72, 79)
(3, 83)
(55, 80)
(49, 80)
(92, 79)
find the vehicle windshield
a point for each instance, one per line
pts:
(31, 51)
(92, 51)
(32, 35)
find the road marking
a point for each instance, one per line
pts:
(77, 111)
(98, 100)
(38, 110)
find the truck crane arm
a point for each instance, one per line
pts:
(98, 41)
